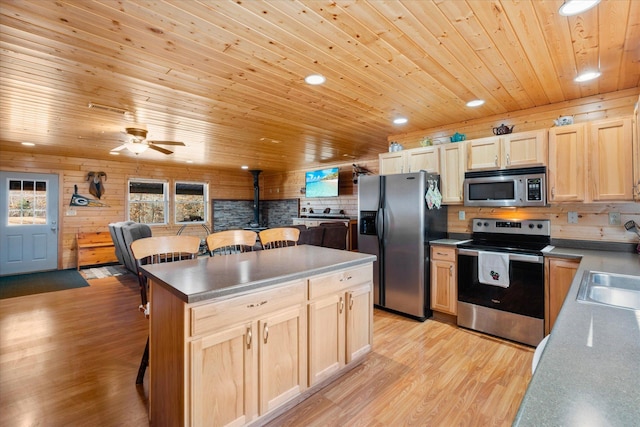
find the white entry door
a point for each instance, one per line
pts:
(28, 222)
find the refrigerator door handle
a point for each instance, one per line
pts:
(380, 224)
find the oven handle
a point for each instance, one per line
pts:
(534, 259)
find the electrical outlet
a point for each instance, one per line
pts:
(614, 218)
(461, 215)
(572, 217)
(71, 212)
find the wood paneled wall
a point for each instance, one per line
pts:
(227, 184)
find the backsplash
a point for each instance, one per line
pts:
(236, 214)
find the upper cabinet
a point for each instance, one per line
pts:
(392, 162)
(636, 151)
(514, 150)
(452, 163)
(567, 163)
(591, 161)
(611, 160)
(414, 160)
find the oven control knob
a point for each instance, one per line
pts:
(530, 225)
(486, 224)
(479, 224)
(539, 225)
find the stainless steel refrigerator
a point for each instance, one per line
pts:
(398, 216)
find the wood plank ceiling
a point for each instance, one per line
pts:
(227, 77)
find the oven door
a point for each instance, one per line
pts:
(515, 312)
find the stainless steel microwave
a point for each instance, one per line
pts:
(506, 187)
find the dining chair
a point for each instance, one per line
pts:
(154, 250)
(279, 237)
(231, 242)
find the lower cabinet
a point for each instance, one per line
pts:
(232, 361)
(444, 283)
(559, 274)
(340, 308)
(249, 368)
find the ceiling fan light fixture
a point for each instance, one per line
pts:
(137, 147)
(587, 76)
(574, 7)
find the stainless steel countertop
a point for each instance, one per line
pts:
(589, 372)
(212, 277)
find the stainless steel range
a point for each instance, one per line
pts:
(501, 278)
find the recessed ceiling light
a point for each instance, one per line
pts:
(189, 161)
(28, 144)
(574, 7)
(475, 103)
(400, 120)
(245, 167)
(586, 76)
(114, 153)
(315, 79)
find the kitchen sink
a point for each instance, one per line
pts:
(615, 290)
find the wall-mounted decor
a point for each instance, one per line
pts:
(78, 200)
(96, 187)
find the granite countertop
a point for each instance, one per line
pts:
(589, 372)
(212, 277)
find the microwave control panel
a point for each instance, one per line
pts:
(534, 189)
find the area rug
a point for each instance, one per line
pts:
(102, 272)
(37, 283)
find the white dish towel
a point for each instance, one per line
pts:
(493, 268)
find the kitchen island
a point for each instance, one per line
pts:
(588, 374)
(237, 339)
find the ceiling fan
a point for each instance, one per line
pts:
(138, 142)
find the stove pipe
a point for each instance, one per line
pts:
(256, 198)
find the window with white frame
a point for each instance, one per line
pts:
(190, 202)
(148, 201)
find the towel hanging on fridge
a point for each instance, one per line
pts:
(493, 268)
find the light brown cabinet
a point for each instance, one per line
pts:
(413, 160)
(452, 168)
(392, 162)
(444, 283)
(591, 161)
(567, 163)
(611, 160)
(252, 366)
(340, 308)
(515, 150)
(636, 151)
(559, 274)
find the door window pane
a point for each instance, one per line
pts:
(27, 202)
(190, 202)
(148, 202)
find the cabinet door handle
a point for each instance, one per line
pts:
(341, 304)
(249, 337)
(508, 160)
(346, 278)
(496, 160)
(350, 300)
(441, 254)
(553, 192)
(265, 333)
(451, 270)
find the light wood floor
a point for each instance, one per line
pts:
(71, 358)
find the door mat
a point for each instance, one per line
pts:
(102, 272)
(37, 283)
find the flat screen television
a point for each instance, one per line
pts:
(322, 183)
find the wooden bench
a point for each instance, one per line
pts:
(95, 248)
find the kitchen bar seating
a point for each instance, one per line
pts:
(154, 250)
(279, 237)
(231, 242)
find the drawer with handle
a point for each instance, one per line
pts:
(330, 283)
(443, 253)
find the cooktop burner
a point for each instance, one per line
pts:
(499, 235)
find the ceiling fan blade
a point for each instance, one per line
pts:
(166, 142)
(122, 147)
(160, 149)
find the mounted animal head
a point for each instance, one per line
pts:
(96, 187)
